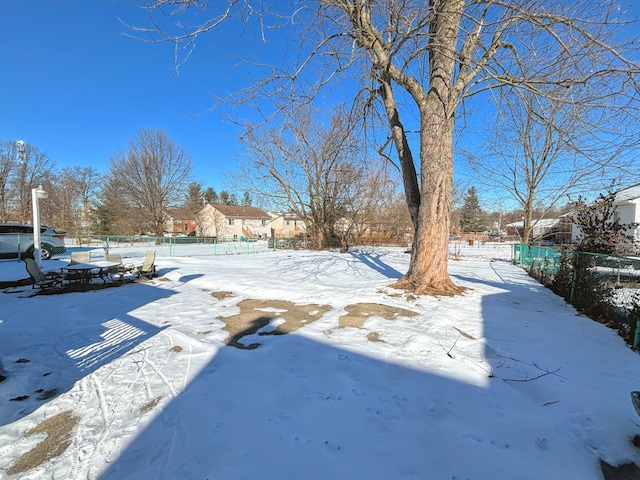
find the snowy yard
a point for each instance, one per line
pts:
(296, 364)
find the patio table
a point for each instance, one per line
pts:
(85, 272)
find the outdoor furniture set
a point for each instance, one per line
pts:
(81, 270)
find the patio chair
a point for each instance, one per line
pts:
(121, 269)
(40, 279)
(148, 268)
(80, 257)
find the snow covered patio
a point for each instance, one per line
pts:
(289, 365)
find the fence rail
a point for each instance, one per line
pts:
(164, 246)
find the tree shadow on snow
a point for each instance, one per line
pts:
(71, 340)
(374, 261)
(297, 407)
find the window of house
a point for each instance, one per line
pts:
(264, 222)
(244, 222)
(231, 221)
(186, 227)
(288, 222)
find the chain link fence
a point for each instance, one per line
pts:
(188, 246)
(602, 286)
(13, 247)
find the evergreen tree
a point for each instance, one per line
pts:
(472, 218)
(101, 220)
(233, 200)
(195, 198)
(211, 196)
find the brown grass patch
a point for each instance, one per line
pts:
(465, 334)
(357, 314)
(150, 404)
(374, 337)
(255, 314)
(59, 429)
(221, 295)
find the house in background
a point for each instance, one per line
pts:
(232, 222)
(548, 230)
(286, 225)
(181, 222)
(626, 210)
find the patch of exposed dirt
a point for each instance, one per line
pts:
(58, 428)
(359, 313)
(256, 314)
(374, 337)
(150, 404)
(221, 295)
(176, 349)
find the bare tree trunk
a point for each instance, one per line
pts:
(409, 175)
(428, 272)
(527, 220)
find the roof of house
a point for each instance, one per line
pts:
(629, 193)
(181, 214)
(237, 211)
(284, 215)
(541, 223)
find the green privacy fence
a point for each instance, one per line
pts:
(604, 287)
(540, 262)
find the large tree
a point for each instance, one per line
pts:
(8, 161)
(538, 150)
(318, 169)
(151, 175)
(422, 60)
(32, 169)
(71, 194)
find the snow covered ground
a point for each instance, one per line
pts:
(143, 381)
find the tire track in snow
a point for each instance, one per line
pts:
(187, 368)
(111, 412)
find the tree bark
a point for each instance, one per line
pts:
(428, 272)
(409, 174)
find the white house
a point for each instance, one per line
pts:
(232, 222)
(286, 225)
(627, 207)
(626, 211)
(556, 230)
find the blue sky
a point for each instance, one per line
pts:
(76, 87)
